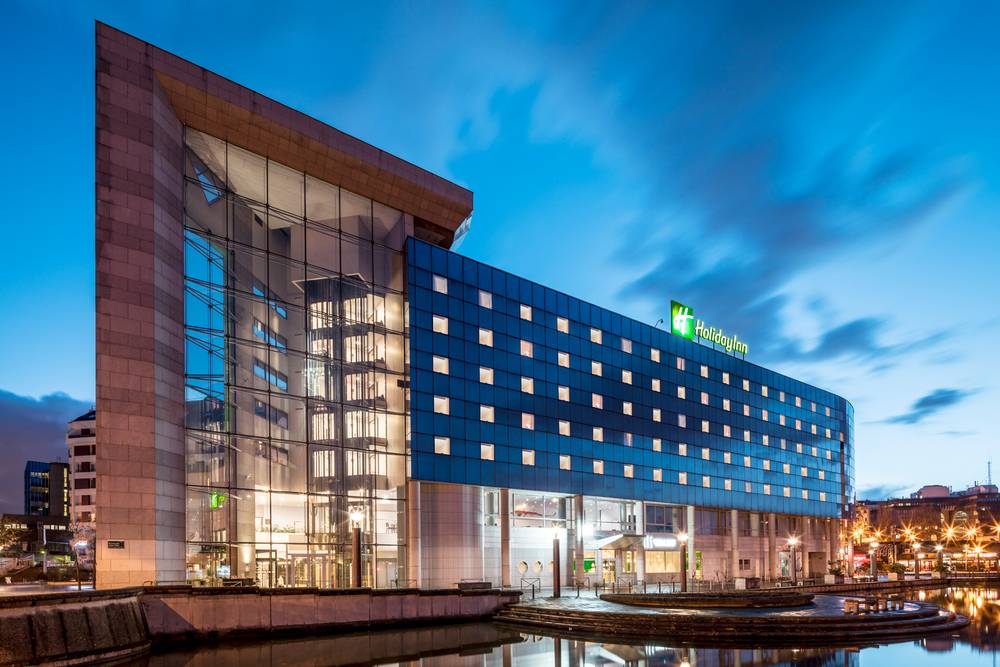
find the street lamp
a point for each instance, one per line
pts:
(916, 559)
(873, 552)
(356, 514)
(792, 541)
(77, 546)
(683, 539)
(556, 575)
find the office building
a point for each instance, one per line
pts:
(46, 489)
(81, 442)
(285, 340)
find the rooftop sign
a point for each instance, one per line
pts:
(684, 324)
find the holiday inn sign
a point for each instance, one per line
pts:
(684, 324)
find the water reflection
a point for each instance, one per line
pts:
(486, 645)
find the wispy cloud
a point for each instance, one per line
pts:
(882, 491)
(931, 404)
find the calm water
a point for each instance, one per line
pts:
(487, 644)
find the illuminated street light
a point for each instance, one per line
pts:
(792, 542)
(356, 514)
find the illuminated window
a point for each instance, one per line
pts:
(485, 375)
(725, 377)
(827, 433)
(814, 429)
(805, 471)
(440, 365)
(655, 386)
(706, 481)
(727, 457)
(781, 419)
(486, 337)
(682, 478)
(798, 447)
(525, 312)
(595, 367)
(763, 390)
(786, 468)
(704, 426)
(629, 470)
(815, 451)
(527, 349)
(563, 359)
(822, 496)
(746, 410)
(682, 421)
(628, 439)
(527, 457)
(682, 449)
(781, 396)
(706, 454)
(827, 411)
(626, 407)
(747, 487)
(563, 393)
(442, 445)
(788, 492)
(562, 325)
(798, 401)
(821, 474)
(626, 376)
(680, 363)
(746, 462)
(767, 489)
(439, 324)
(766, 464)
(727, 484)
(829, 455)
(486, 301)
(657, 415)
(704, 398)
(595, 335)
(563, 427)
(746, 436)
(657, 475)
(727, 431)
(657, 445)
(681, 392)
(441, 405)
(654, 354)
(440, 284)
(746, 385)
(764, 438)
(725, 404)
(564, 462)
(528, 385)
(626, 346)
(528, 421)
(486, 413)
(704, 371)
(814, 406)
(598, 467)
(486, 452)
(597, 401)
(763, 415)
(598, 434)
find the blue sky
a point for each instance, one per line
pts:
(821, 179)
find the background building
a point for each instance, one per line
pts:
(46, 489)
(284, 340)
(81, 442)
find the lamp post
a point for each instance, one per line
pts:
(356, 514)
(916, 559)
(556, 574)
(77, 546)
(874, 558)
(939, 548)
(792, 541)
(683, 539)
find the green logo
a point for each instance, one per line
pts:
(216, 499)
(681, 320)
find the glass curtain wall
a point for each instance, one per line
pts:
(295, 330)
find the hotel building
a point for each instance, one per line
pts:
(81, 443)
(284, 340)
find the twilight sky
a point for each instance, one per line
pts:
(820, 180)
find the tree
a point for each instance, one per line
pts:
(9, 536)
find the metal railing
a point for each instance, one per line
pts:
(534, 582)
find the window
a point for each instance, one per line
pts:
(746, 462)
(706, 454)
(805, 471)
(829, 455)
(486, 301)
(746, 385)
(822, 496)
(657, 415)
(486, 452)
(563, 393)
(821, 474)
(440, 284)
(657, 445)
(655, 385)
(815, 451)
(763, 415)
(828, 433)
(439, 324)
(595, 335)
(486, 337)
(527, 349)
(725, 404)
(827, 413)
(440, 365)
(798, 447)
(626, 346)
(727, 431)
(746, 410)
(626, 376)
(485, 375)
(682, 449)
(563, 427)
(767, 489)
(788, 492)
(598, 434)
(628, 439)
(727, 457)
(629, 470)
(704, 426)
(598, 467)
(528, 421)
(562, 325)
(706, 481)
(682, 421)
(525, 312)
(798, 401)
(564, 462)
(746, 436)
(725, 378)
(441, 405)
(764, 438)
(657, 475)
(626, 407)
(680, 363)
(654, 354)
(486, 413)
(727, 484)
(781, 419)
(527, 457)
(704, 371)
(766, 463)
(681, 392)
(814, 429)
(763, 390)
(597, 401)
(595, 368)
(704, 398)
(442, 446)
(786, 468)
(747, 487)
(563, 359)
(682, 478)
(528, 385)
(814, 406)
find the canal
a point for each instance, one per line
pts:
(489, 644)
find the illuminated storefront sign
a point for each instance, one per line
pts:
(684, 324)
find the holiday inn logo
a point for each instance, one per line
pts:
(681, 320)
(684, 324)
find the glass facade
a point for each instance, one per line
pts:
(581, 400)
(295, 373)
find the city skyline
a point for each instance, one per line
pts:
(843, 257)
